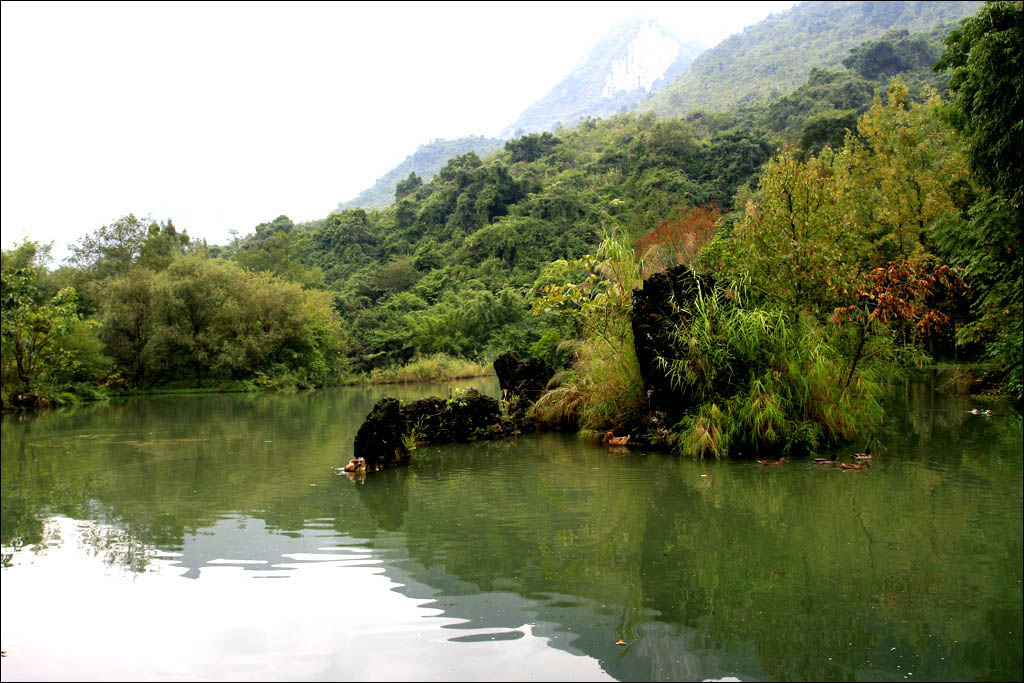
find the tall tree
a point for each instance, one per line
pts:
(111, 249)
(986, 58)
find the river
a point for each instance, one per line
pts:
(210, 538)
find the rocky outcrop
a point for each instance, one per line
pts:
(522, 383)
(664, 300)
(465, 417)
(391, 428)
(380, 439)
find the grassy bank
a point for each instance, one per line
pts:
(438, 367)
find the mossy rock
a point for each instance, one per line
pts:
(461, 418)
(383, 436)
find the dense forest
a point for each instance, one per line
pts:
(424, 163)
(867, 221)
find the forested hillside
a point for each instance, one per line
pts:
(424, 163)
(853, 225)
(775, 55)
(639, 66)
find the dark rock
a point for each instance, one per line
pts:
(380, 438)
(522, 383)
(664, 300)
(464, 417)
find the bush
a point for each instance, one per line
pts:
(763, 382)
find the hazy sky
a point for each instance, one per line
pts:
(222, 116)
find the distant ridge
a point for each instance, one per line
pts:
(425, 162)
(632, 61)
(776, 54)
(640, 66)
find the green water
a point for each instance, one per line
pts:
(209, 538)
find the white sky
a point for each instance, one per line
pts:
(222, 116)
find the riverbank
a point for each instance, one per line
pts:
(438, 367)
(434, 368)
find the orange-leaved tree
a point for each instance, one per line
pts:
(676, 242)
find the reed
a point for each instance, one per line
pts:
(438, 367)
(763, 382)
(603, 388)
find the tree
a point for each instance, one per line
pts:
(531, 147)
(281, 253)
(827, 129)
(408, 186)
(111, 249)
(797, 245)
(676, 242)
(905, 169)
(162, 245)
(986, 57)
(128, 323)
(33, 325)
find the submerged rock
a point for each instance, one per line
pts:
(522, 383)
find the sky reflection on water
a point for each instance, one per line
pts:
(77, 617)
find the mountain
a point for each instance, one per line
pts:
(777, 54)
(425, 162)
(634, 60)
(640, 66)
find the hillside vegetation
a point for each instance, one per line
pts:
(775, 55)
(424, 163)
(824, 239)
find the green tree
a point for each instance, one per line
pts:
(986, 58)
(905, 172)
(33, 326)
(162, 245)
(531, 147)
(408, 186)
(128, 323)
(797, 246)
(281, 253)
(111, 249)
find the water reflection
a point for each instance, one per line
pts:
(500, 559)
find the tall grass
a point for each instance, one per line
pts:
(436, 367)
(762, 382)
(603, 388)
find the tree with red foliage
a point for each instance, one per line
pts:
(679, 241)
(898, 292)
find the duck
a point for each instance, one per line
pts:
(773, 463)
(826, 461)
(356, 465)
(616, 440)
(976, 411)
(863, 457)
(851, 466)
